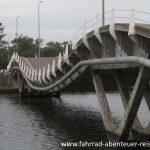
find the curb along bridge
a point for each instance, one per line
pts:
(114, 57)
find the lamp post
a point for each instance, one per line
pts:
(103, 12)
(39, 27)
(17, 31)
(8, 45)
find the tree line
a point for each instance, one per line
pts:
(26, 46)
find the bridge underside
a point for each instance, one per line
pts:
(84, 83)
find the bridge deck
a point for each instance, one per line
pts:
(39, 63)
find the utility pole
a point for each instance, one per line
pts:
(103, 12)
(8, 46)
(39, 28)
(17, 32)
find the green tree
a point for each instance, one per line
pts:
(52, 49)
(2, 35)
(28, 47)
(25, 44)
(3, 49)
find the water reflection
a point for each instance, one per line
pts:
(41, 123)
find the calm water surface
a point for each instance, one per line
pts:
(42, 123)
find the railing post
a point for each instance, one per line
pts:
(32, 75)
(29, 73)
(66, 55)
(26, 73)
(85, 40)
(96, 31)
(112, 24)
(53, 68)
(35, 76)
(43, 75)
(59, 62)
(132, 24)
(24, 68)
(74, 44)
(21, 65)
(39, 76)
(48, 72)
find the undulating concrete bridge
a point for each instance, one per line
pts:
(114, 57)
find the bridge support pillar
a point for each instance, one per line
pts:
(124, 93)
(103, 103)
(130, 127)
(20, 80)
(133, 104)
(147, 98)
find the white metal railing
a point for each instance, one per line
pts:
(41, 74)
(118, 16)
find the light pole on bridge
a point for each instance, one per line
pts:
(39, 40)
(17, 18)
(103, 12)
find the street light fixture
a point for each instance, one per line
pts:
(39, 40)
(17, 31)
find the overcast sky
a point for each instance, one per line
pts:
(59, 18)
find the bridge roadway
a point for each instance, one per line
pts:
(110, 58)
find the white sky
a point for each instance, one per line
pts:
(59, 18)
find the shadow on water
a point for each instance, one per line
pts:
(64, 122)
(75, 122)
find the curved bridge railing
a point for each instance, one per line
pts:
(111, 18)
(33, 78)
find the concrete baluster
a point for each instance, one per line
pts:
(29, 73)
(24, 68)
(74, 44)
(13, 56)
(32, 75)
(112, 24)
(35, 75)
(43, 75)
(11, 60)
(59, 62)
(21, 66)
(132, 24)
(48, 72)
(20, 62)
(18, 58)
(26, 73)
(66, 55)
(96, 31)
(39, 76)
(53, 68)
(85, 40)
(8, 67)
